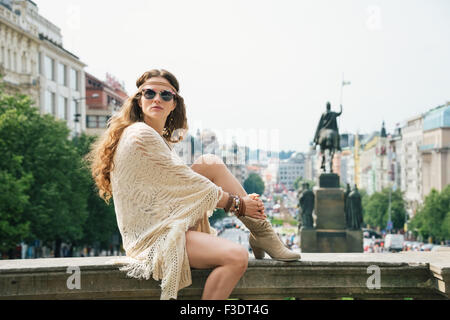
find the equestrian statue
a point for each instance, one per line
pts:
(327, 135)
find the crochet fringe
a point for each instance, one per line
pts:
(156, 265)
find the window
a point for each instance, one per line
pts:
(62, 74)
(49, 103)
(39, 59)
(74, 79)
(9, 59)
(97, 121)
(62, 108)
(24, 63)
(15, 62)
(49, 68)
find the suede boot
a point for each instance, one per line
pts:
(263, 239)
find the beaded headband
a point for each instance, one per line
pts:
(158, 83)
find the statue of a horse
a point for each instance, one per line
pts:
(328, 140)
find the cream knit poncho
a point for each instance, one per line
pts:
(157, 198)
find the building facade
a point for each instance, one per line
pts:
(290, 170)
(19, 53)
(103, 99)
(435, 149)
(411, 163)
(34, 62)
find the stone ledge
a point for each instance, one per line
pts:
(419, 275)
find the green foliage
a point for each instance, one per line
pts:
(45, 169)
(280, 222)
(376, 209)
(218, 215)
(433, 218)
(254, 184)
(14, 184)
(101, 223)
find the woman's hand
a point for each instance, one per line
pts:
(254, 207)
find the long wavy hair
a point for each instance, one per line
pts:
(102, 153)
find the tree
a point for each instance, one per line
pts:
(14, 184)
(218, 215)
(101, 224)
(57, 193)
(433, 218)
(376, 209)
(254, 184)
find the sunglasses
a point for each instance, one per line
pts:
(166, 95)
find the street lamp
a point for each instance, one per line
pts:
(77, 114)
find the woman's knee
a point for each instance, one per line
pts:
(237, 257)
(208, 165)
(209, 159)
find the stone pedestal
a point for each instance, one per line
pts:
(329, 208)
(331, 240)
(308, 240)
(330, 233)
(329, 180)
(355, 241)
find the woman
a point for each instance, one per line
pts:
(162, 205)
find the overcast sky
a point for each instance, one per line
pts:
(271, 66)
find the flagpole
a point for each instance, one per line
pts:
(342, 90)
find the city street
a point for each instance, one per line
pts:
(236, 235)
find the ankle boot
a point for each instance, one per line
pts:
(264, 239)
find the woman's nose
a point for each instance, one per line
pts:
(157, 97)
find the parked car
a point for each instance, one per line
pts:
(427, 247)
(394, 242)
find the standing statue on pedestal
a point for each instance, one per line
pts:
(346, 194)
(327, 135)
(306, 202)
(354, 210)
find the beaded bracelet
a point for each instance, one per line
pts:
(238, 207)
(233, 206)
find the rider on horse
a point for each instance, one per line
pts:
(328, 121)
(327, 134)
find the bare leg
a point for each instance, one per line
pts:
(262, 236)
(213, 168)
(228, 259)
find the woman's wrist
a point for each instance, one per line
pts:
(238, 206)
(229, 203)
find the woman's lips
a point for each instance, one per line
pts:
(157, 108)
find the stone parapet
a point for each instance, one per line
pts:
(421, 275)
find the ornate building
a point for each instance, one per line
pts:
(34, 62)
(19, 53)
